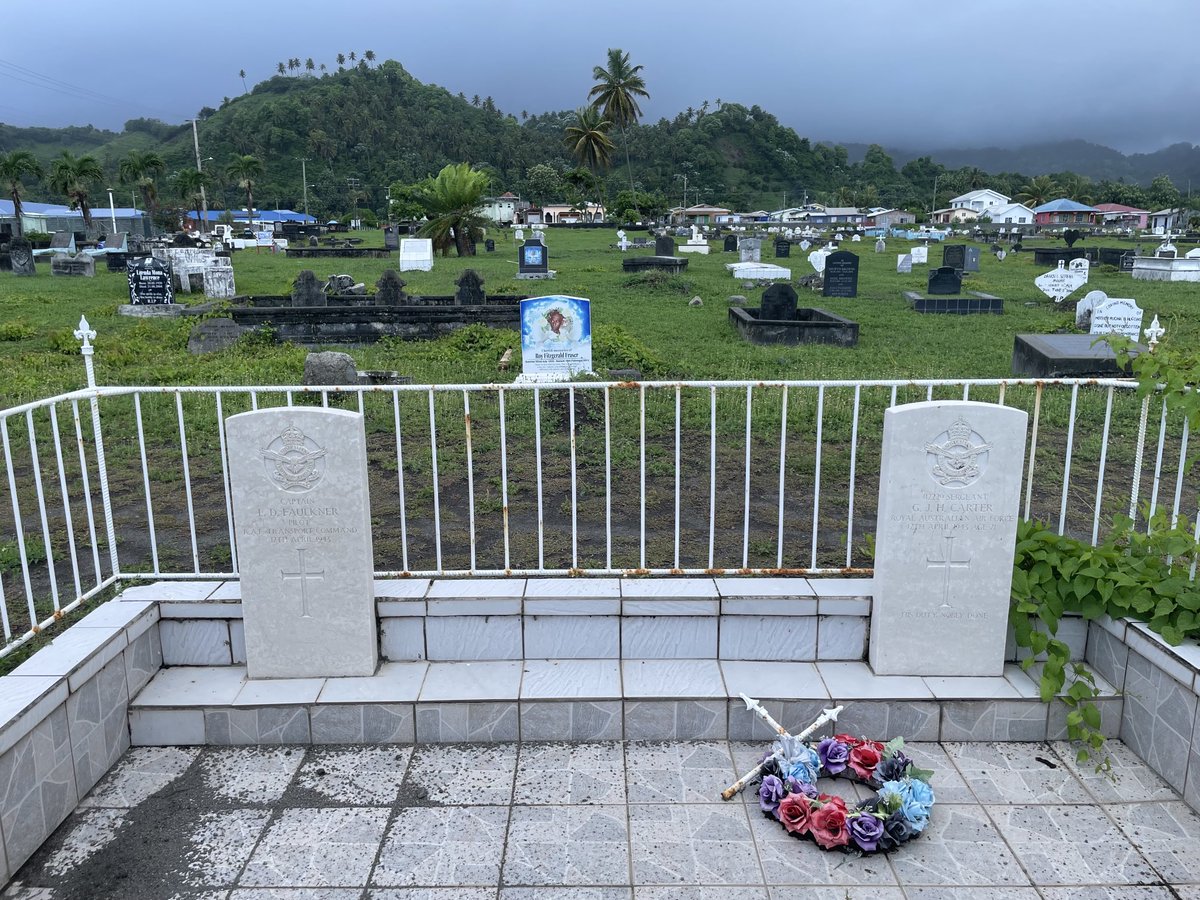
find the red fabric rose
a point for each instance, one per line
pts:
(828, 824)
(849, 741)
(863, 760)
(794, 813)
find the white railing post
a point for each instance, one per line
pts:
(85, 334)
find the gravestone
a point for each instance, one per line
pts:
(469, 289)
(950, 483)
(881, 246)
(731, 243)
(329, 368)
(519, 234)
(534, 262)
(149, 282)
(1082, 266)
(1000, 254)
(817, 260)
(841, 274)
(783, 249)
(954, 256)
(1083, 309)
(1127, 259)
(750, 250)
(489, 245)
(218, 281)
(1060, 283)
(214, 335)
(117, 242)
(971, 262)
(556, 337)
(904, 263)
(78, 266)
(664, 245)
(1071, 237)
(855, 238)
(416, 254)
(20, 255)
(298, 478)
(63, 242)
(920, 255)
(391, 239)
(778, 303)
(805, 244)
(944, 280)
(1116, 315)
(306, 291)
(389, 289)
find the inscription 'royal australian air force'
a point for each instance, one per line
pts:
(949, 493)
(302, 522)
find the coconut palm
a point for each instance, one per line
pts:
(1040, 189)
(280, 68)
(616, 94)
(341, 60)
(140, 168)
(190, 185)
(1076, 187)
(242, 75)
(309, 65)
(587, 139)
(245, 169)
(73, 176)
(13, 167)
(369, 55)
(452, 203)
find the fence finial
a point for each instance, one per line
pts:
(1154, 332)
(85, 333)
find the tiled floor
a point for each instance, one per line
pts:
(606, 821)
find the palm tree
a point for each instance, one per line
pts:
(341, 60)
(13, 167)
(1040, 189)
(475, 100)
(242, 75)
(1076, 187)
(140, 168)
(309, 65)
(190, 184)
(369, 56)
(587, 139)
(616, 94)
(323, 68)
(452, 202)
(352, 56)
(281, 69)
(245, 169)
(73, 175)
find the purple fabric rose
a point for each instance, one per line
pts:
(895, 832)
(865, 832)
(892, 769)
(795, 786)
(834, 755)
(770, 792)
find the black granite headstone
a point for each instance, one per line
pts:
(149, 282)
(389, 289)
(783, 248)
(532, 258)
(945, 280)
(730, 243)
(954, 256)
(778, 303)
(841, 274)
(664, 245)
(489, 245)
(971, 264)
(391, 239)
(470, 289)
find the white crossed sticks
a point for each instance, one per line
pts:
(829, 715)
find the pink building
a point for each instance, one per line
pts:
(1123, 216)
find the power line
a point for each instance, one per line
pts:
(37, 79)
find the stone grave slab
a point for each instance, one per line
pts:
(950, 485)
(1082, 266)
(730, 245)
(302, 513)
(816, 259)
(416, 255)
(79, 265)
(920, 255)
(62, 242)
(20, 255)
(1064, 356)
(904, 263)
(750, 250)
(783, 249)
(841, 275)
(973, 303)
(778, 303)
(664, 245)
(954, 256)
(218, 281)
(1060, 283)
(533, 260)
(971, 261)
(757, 271)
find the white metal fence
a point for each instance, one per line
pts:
(117, 483)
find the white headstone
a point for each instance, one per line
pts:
(519, 234)
(817, 260)
(416, 254)
(920, 255)
(1192, 254)
(950, 484)
(881, 246)
(1000, 254)
(298, 478)
(904, 263)
(1117, 315)
(622, 241)
(804, 245)
(264, 238)
(1082, 266)
(218, 281)
(1060, 283)
(855, 238)
(1083, 309)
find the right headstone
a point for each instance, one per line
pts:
(950, 485)
(904, 263)
(778, 303)
(945, 280)
(920, 255)
(302, 514)
(1116, 315)
(149, 282)
(841, 275)
(971, 260)
(954, 256)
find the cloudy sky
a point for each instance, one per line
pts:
(921, 73)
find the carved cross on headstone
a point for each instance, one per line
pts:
(303, 576)
(947, 562)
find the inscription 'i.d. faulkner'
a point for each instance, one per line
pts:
(298, 480)
(948, 499)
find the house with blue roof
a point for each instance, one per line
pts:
(264, 218)
(54, 217)
(1065, 212)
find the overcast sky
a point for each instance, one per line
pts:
(919, 73)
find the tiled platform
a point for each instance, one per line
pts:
(596, 821)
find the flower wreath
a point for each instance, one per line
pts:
(898, 812)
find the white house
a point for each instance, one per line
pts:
(955, 215)
(503, 209)
(980, 200)
(1010, 214)
(1176, 218)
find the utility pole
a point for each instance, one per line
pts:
(203, 195)
(304, 176)
(933, 203)
(112, 212)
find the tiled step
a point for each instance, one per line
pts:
(588, 699)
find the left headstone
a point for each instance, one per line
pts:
(302, 515)
(950, 485)
(149, 282)
(78, 266)
(20, 253)
(841, 274)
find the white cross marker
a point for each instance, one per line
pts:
(303, 576)
(948, 562)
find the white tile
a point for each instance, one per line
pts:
(856, 681)
(685, 606)
(171, 590)
(764, 587)
(781, 638)
(77, 654)
(668, 587)
(583, 679)
(863, 588)
(279, 692)
(402, 639)
(572, 588)
(773, 680)
(473, 637)
(401, 609)
(768, 606)
(135, 617)
(166, 727)
(237, 642)
(670, 678)
(201, 609)
(844, 606)
(1023, 681)
(195, 642)
(26, 700)
(1115, 627)
(395, 682)
(494, 680)
(229, 590)
(192, 686)
(1156, 651)
(401, 588)
(669, 637)
(572, 637)
(841, 638)
(972, 688)
(475, 606)
(574, 606)
(476, 587)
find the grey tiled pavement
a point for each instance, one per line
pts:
(603, 821)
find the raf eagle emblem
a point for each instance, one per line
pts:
(957, 460)
(293, 461)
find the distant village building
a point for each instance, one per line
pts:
(700, 214)
(1010, 214)
(980, 200)
(571, 213)
(50, 218)
(1065, 212)
(886, 218)
(504, 209)
(1177, 218)
(1123, 216)
(955, 215)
